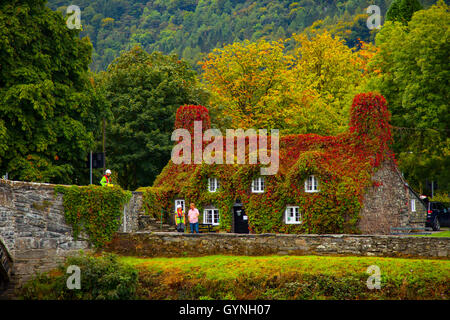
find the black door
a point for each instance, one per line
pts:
(240, 220)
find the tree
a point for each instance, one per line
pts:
(48, 109)
(414, 78)
(327, 76)
(258, 85)
(249, 84)
(144, 91)
(402, 10)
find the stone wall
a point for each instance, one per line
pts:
(5, 266)
(172, 244)
(131, 212)
(389, 204)
(33, 228)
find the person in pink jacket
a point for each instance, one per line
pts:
(193, 218)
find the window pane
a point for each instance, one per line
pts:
(211, 184)
(216, 216)
(209, 220)
(179, 203)
(292, 214)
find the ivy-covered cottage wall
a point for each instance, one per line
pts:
(358, 187)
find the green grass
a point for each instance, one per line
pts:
(442, 234)
(289, 277)
(229, 267)
(244, 278)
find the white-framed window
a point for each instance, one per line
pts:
(211, 216)
(292, 215)
(258, 185)
(413, 205)
(213, 184)
(311, 184)
(179, 202)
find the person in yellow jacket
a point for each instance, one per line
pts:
(180, 219)
(106, 179)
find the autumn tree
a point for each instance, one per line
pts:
(259, 85)
(248, 82)
(327, 75)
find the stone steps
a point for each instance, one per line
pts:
(147, 223)
(8, 292)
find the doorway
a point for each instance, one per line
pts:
(240, 219)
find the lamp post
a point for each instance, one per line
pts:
(90, 167)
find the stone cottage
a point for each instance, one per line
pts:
(348, 183)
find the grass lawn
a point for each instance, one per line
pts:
(228, 267)
(442, 234)
(289, 277)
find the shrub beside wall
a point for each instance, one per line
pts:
(102, 278)
(94, 210)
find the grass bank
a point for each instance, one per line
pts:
(441, 234)
(289, 277)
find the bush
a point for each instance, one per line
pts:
(102, 278)
(95, 210)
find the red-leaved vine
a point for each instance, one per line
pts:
(344, 165)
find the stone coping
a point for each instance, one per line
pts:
(31, 185)
(261, 235)
(40, 185)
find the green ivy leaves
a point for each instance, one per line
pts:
(94, 210)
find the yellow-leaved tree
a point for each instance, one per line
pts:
(248, 82)
(327, 76)
(259, 85)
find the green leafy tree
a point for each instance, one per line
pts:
(412, 62)
(48, 106)
(144, 91)
(402, 10)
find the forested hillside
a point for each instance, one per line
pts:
(192, 28)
